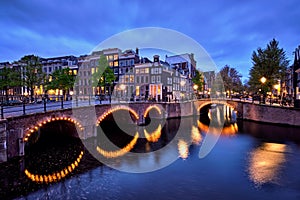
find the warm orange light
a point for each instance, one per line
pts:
(56, 176)
(196, 136)
(121, 152)
(183, 149)
(155, 135)
(152, 107)
(263, 80)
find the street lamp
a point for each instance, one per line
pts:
(195, 87)
(263, 81)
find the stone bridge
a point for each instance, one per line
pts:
(15, 131)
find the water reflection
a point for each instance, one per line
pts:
(120, 152)
(229, 130)
(183, 149)
(56, 176)
(154, 136)
(196, 135)
(265, 163)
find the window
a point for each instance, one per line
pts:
(153, 79)
(110, 57)
(93, 70)
(147, 70)
(137, 79)
(142, 79)
(137, 71)
(45, 69)
(157, 79)
(111, 64)
(116, 63)
(116, 57)
(146, 79)
(116, 70)
(131, 78)
(75, 72)
(50, 69)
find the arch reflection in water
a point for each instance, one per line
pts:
(55, 176)
(266, 162)
(120, 152)
(154, 136)
(229, 130)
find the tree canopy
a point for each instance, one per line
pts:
(61, 79)
(198, 80)
(231, 79)
(270, 63)
(103, 75)
(33, 73)
(9, 78)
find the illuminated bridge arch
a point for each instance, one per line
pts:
(29, 131)
(114, 109)
(155, 107)
(215, 102)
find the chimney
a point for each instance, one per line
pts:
(137, 51)
(156, 58)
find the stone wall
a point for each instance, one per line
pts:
(271, 114)
(3, 142)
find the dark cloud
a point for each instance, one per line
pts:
(229, 30)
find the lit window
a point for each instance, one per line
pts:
(137, 71)
(116, 63)
(147, 70)
(131, 78)
(75, 72)
(116, 57)
(111, 64)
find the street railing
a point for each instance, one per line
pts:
(58, 102)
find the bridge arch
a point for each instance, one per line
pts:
(215, 102)
(114, 109)
(155, 107)
(30, 130)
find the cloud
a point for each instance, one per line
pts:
(229, 30)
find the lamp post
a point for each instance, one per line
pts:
(263, 81)
(195, 87)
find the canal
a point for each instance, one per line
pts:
(249, 161)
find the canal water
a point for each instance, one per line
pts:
(249, 161)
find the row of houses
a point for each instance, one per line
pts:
(139, 77)
(136, 77)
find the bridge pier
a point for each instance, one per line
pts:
(3, 142)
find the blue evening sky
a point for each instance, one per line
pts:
(229, 30)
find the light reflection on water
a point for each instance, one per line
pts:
(220, 175)
(266, 163)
